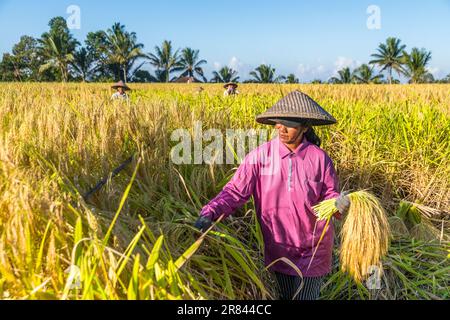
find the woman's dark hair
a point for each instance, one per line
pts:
(312, 137)
(310, 134)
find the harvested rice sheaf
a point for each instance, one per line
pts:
(365, 233)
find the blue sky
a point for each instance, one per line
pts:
(311, 39)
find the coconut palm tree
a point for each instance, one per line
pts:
(141, 76)
(416, 65)
(121, 48)
(365, 74)
(54, 51)
(264, 74)
(165, 59)
(190, 65)
(160, 76)
(225, 75)
(429, 78)
(291, 78)
(446, 79)
(344, 76)
(83, 64)
(389, 56)
(56, 48)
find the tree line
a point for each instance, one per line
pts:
(116, 54)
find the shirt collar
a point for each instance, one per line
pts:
(300, 150)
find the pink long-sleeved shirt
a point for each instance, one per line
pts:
(285, 185)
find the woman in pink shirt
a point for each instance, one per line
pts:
(287, 176)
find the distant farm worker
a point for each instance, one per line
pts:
(199, 90)
(287, 176)
(230, 89)
(121, 87)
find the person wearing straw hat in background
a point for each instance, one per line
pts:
(287, 176)
(121, 87)
(230, 89)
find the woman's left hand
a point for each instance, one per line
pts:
(343, 202)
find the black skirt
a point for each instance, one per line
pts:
(297, 288)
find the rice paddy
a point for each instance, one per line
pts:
(134, 238)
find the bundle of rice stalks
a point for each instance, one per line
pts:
(409, 213)
(365, 233)
(407, 269)
(420, 222)
(422, 209)
(398, 228)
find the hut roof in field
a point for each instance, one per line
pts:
(186, 80)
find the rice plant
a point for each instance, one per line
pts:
(134, 238)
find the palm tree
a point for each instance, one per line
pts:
(416, 65)
(122, 48)
(190, 65)
(365, 74)
(429, 78)
(291, 78)
(83, 64)
(264, 74)
(165, 60)
(56, 48)
(160, 76)
(56, 55)
(141, 76)
(225, 75)
(344, 76)
(389, 56)
(446, 79)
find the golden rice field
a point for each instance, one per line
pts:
(134, 239)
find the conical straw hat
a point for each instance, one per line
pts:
(295, 106)
(120, 84)
(230, 84)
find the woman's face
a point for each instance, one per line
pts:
(290, 135)
(120, 90)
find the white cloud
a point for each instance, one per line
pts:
(235, 64)
(217, 66)
(321, 69)
(436, 72)
(241, 67)
(310, 72)
(343, 62)
(302, 69)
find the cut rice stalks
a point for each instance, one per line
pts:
(365, 234)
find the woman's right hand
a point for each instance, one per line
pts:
(203, 223)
